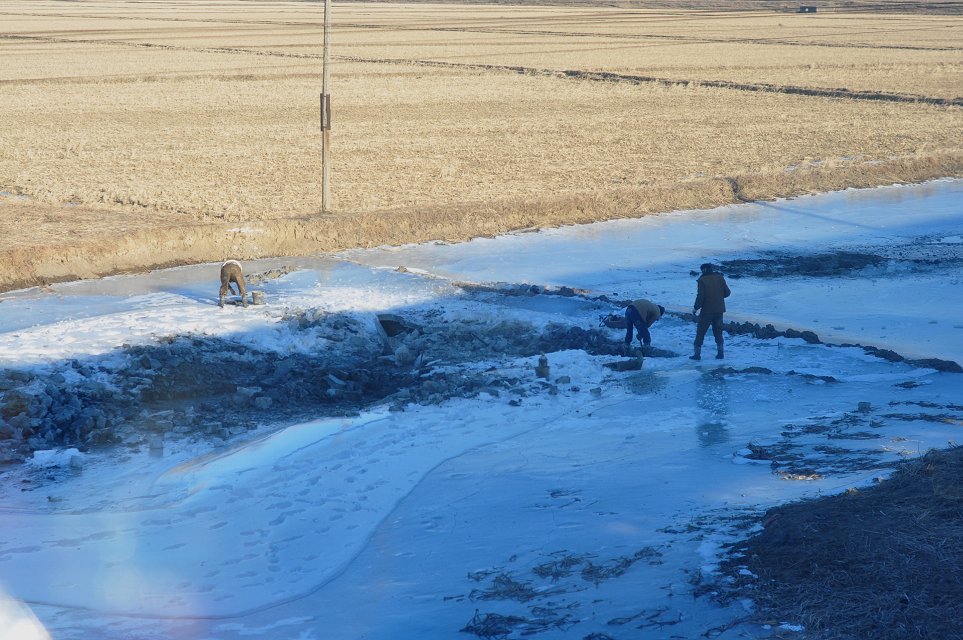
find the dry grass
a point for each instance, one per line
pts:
(882, 563)
(242, 149)
(169, 114)
(919, 55)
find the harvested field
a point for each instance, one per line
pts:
(168, 133)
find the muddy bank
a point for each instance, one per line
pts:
(193, 386)
(71, 251)
(882, 550)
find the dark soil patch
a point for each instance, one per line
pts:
(923, 255)
(884, 563)
(833, 264)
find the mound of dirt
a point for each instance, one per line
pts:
(882, 563)
(192, 385)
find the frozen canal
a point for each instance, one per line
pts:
(474, 499)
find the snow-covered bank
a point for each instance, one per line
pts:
(590, 502)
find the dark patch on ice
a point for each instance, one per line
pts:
(724, 371)
(627, 364)
(809, 377)
(544, 593)
(920, 255)
(797, 456)
(495, 625)
(820, 265)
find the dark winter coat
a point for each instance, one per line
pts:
(712, 293)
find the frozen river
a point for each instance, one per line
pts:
(477, 500)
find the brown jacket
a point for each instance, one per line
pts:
(712, 293)
(648, 311)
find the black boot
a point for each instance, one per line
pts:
(719, 353)
(698, 353)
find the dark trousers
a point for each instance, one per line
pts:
(632, 318)
(707, 320)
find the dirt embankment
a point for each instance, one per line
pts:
(886, 552)
(72, 248)
(138, 392)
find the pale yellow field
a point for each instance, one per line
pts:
(172, 114)
(918, 55)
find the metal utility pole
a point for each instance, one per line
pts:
(325, 111)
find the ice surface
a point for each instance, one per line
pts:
(590, 507)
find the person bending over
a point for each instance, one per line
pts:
(640, 315)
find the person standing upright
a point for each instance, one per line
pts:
(710, 304)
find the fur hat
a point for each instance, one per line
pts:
(706, 267)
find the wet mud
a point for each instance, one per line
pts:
(923, 255)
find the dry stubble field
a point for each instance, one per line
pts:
(139, 135)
